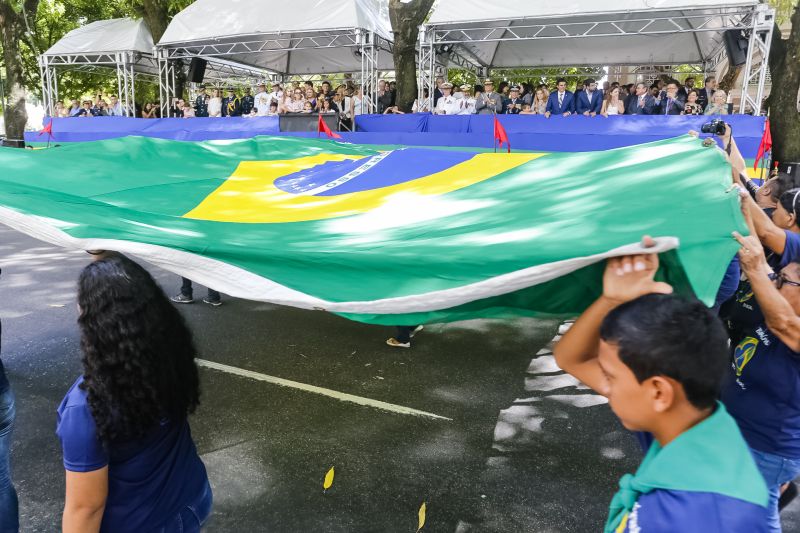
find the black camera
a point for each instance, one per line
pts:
(715, 127)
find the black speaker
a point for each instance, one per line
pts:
(197, 70)
(736, 46)
(793, 169)
(13, 143)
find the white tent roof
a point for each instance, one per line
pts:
(295, 37)
(600, 25)
(105, 36)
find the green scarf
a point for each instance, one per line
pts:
(710, 457)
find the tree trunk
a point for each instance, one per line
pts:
(12, 30)
(784, 65)
(728, 80)
(155, 14)
(406, 19)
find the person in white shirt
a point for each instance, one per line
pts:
(276, 94)
(261, 103)
(358, 105)
(447, 104)
(215, 104)
(468, 102)
(424, 107)
(115, 108)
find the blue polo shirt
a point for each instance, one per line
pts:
(150, 480)
(670, 511)
(762, 393)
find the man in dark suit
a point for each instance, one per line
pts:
(560, 101)
(688, 85)
(641, 102)
(707, 92)
(671, 104)
(589, 101)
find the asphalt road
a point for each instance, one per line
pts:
(520, 447)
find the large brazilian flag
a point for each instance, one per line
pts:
(390, 236)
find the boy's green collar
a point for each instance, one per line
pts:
(711, 457)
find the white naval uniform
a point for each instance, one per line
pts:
(261, 104)
(467, 106)
(448, 105)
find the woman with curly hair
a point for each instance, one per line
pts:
(131, 464)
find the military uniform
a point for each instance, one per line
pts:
(201, 105)
(448, 105)
(511, 108)
(262, 101)
(248, 103)
(231, 106)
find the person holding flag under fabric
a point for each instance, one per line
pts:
(660, 360)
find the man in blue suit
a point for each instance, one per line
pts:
(589, 101)
(560, 102)
(641, 103)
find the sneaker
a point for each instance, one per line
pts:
(182, 299)
(788, 495)
(215, 303)
(417, 330)
(397, 344)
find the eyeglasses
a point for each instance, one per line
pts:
(780, 280)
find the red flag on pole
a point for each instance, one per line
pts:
(48, 129)
(500, 134)
(323, 128)
(765, 146)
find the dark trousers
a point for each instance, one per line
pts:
(404, 333)
(186, 290)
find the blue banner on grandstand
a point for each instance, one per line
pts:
(179, 129)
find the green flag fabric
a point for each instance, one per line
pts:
(395, 236)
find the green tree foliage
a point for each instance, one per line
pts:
(55, 18)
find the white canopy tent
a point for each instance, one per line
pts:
(301, 37)
(507, 34)
(121, 44)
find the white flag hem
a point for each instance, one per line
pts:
(240, 283)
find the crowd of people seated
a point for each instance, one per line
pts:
(669, 97)
(661, 98)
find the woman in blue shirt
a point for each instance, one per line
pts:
(131, 464)
(762, 391)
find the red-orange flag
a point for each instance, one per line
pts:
(765, 146)
(48, 129)
(323, 128)
(500, 134)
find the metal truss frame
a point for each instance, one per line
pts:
(757, 21)
(756, 67)
(365, 44)
(125, 64)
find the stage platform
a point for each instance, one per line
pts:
(526, 132)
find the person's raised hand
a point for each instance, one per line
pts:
(751, 253)
(628, 277)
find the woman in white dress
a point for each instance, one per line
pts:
(357, 103)
(296, 103)
(215, 104)
(612, 105)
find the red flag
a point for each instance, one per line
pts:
(765, 146)
(323, 128)
(48, 129)
(500, 134)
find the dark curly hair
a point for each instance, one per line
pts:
(138, 353)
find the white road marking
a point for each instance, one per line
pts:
(341, 396)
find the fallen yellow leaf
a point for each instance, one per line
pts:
(421, 516)
(328, 479)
